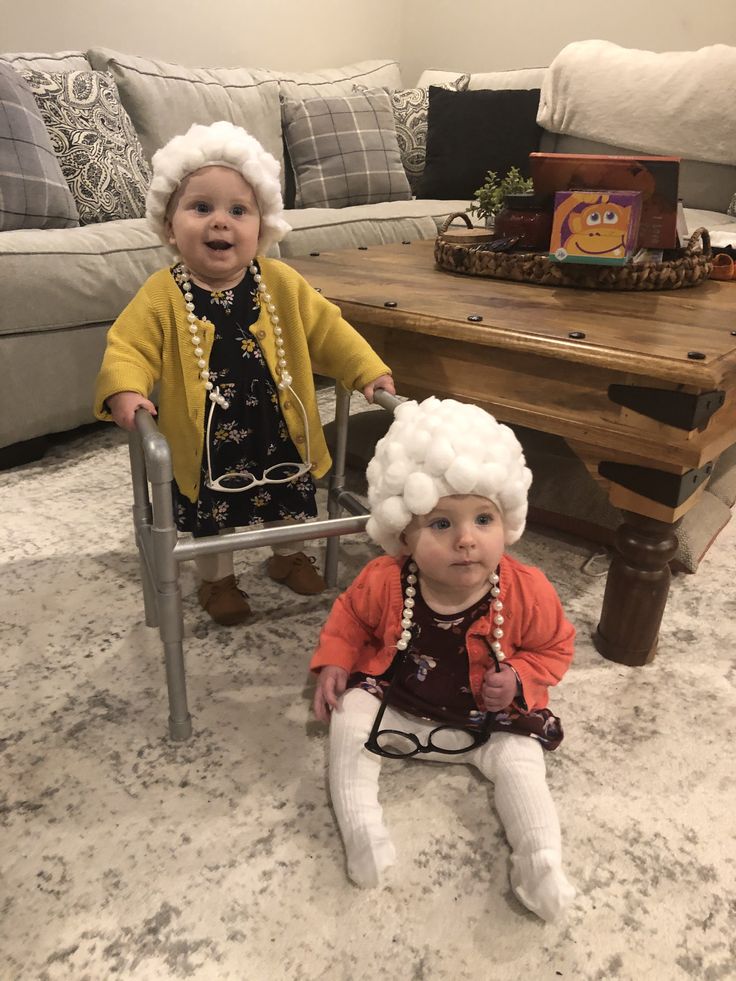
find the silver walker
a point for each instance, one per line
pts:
(160, 550)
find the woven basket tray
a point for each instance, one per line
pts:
(690, 269)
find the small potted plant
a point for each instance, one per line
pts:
(490, 196)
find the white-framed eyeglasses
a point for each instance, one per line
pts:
(237, 481)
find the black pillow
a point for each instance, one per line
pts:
(470, 133)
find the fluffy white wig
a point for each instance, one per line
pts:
(440, 447)
(225, 145)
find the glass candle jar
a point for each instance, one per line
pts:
(525, 216)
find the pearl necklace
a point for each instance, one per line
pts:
(407, 617)
(283, 379)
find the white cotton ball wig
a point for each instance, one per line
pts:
(221, 144)
(437, 448)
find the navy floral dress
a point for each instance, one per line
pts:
(251, 433)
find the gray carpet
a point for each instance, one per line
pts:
(127, 856)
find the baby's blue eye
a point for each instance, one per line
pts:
(201, 207)
(237, 211)
(484, 519)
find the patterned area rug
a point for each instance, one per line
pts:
(126, 855)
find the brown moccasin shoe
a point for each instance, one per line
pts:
(224, 602)
(296, 571)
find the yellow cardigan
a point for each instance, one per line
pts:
(150, 342)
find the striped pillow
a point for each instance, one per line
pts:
(344, 151)
(33, 192)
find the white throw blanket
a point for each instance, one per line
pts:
(679, 103)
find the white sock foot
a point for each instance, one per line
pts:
(541, 885)
(368, 858)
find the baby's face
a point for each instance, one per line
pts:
(458, 545)
(214, 224)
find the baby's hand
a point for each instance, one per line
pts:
(499, 688)
(383, 381)
(122, 407)
(330, 685)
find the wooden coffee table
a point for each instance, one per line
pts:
(641, 385)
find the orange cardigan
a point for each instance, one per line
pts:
(364, 624)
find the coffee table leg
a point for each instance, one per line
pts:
(636, 590)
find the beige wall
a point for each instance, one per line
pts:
(463, 35)
(484, 35)
(297, 34)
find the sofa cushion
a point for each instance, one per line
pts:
(344, 151)
(436, 76)
(33, 193)
(338, 81)
(164, 99)
(722, 227)
(327, 229)
(94, 140)
(61, 61)
(61, 278)
(515, 78)
(470, 133)
(410, 107)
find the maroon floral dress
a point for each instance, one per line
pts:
(431, 679)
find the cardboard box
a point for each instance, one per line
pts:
(656, 179)
(595, 227)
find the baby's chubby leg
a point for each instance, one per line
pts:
(354, 773)
(515, 764)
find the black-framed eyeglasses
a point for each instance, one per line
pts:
(448, 739)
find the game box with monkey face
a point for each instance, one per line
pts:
(595, 227)
(655, 178)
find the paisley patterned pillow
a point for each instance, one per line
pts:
(731, 209)
(95, 142)
(410, 108)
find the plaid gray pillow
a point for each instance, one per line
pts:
(33, 192)
(344, 151)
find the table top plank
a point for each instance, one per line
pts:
(645, 333)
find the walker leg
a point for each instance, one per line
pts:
(171, 621)
(337, 479)
(143, 541)
(142, 516)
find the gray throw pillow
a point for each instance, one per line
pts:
(344, 151)
(731, 209)
(95, 142)
(33, 192)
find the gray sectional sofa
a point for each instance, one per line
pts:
(62, 287)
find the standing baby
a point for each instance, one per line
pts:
(232, 338)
